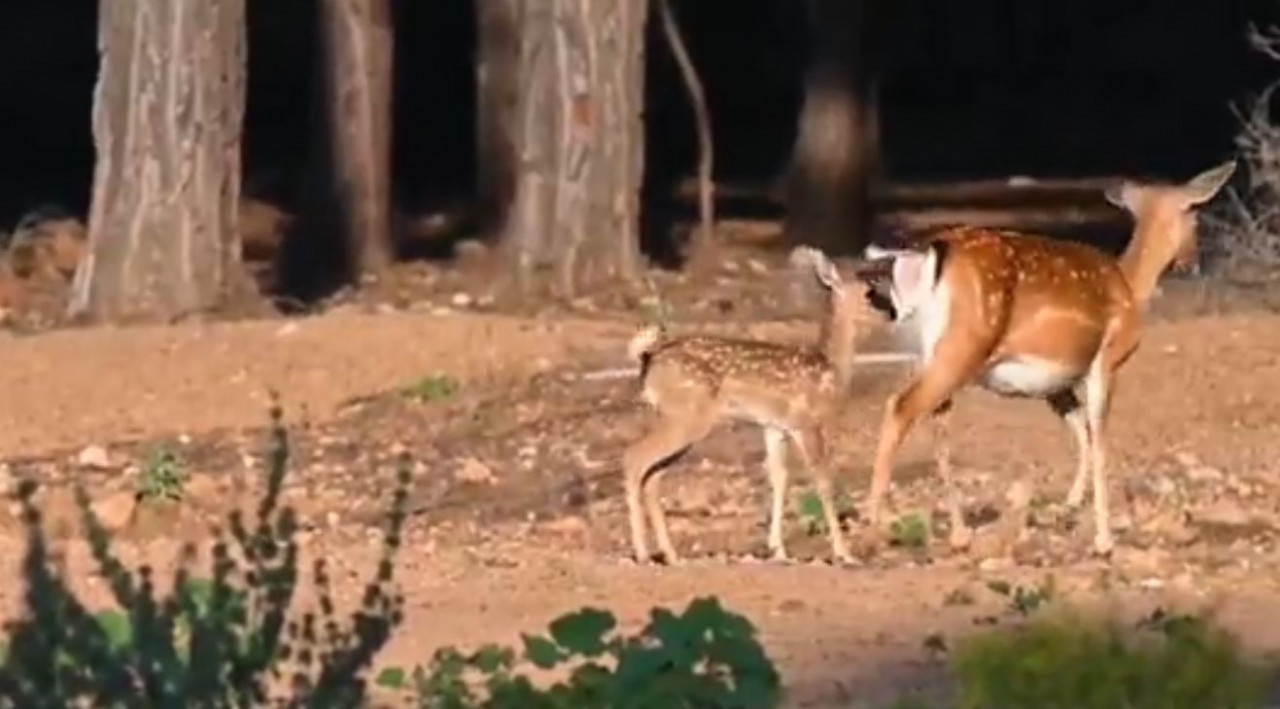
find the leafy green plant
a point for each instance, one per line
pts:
(809, 510)
(705, 658)
(910, 531)
(219, 642)
(1025, 600)
(434, 387)
(162, 476)
(1072, 662)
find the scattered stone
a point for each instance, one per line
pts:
(115, 511)
(1204, 474)
(995, 563)
(1223, 513)
(473, 471)
(95, 457)
(1142, 562)
(461, 300)
(570, 524)
(202, 488)
(470, 249)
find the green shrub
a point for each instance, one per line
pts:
(226, 641)
(910, 531)
(1068, 662)
(162, 477)
(431, 388)
(704, 658)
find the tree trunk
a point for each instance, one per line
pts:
(704, 240)
(167, 120)
(358, 41)
(343, 231)
(836, 153)
(578, 139)
(497, 97)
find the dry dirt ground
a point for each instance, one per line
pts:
(517, 515)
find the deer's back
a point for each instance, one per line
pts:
(748, 379)
(1034, 295)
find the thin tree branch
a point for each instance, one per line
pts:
(702, 122)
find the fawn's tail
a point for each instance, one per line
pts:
(643, 343)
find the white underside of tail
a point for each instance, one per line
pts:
(643, 341)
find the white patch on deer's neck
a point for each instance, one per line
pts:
(913, 281)
(922, 305)
(924, 326)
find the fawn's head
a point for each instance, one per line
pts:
(1165, 219)
(846, 301)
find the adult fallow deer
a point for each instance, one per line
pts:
(1029, 316)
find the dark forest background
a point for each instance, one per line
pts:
(972, 88)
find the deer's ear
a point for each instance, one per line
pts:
(827, 273)
(1203, 187)
(914, 274)
(822, 268)
(1121, 194)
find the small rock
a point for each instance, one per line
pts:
(95, 457)
(202, 487)
(1019, 495)
(995, 563)
(473, 471)
(461, 300)
(470, 249)
(115, 511)
(1204, 474)
(571, 524)
(1224, 513)
(1143, 562)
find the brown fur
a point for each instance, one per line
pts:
(792, 393)
(1032, 316)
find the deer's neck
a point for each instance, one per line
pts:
(836, 341)
(1142, 263)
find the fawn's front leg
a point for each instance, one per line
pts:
(775, 464)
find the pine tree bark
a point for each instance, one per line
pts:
(359, 40)
(167, 120)
(836, 154)
(577, 138)
(497, 97)
(343, 232)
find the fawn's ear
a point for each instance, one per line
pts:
(825, 271)
(1122, 195)
(1203, 187)
(914, 276)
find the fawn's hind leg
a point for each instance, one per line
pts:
(671, 436)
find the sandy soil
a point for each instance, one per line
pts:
(517, 514)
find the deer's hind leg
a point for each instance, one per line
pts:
(644, 462)
(1066, 404)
